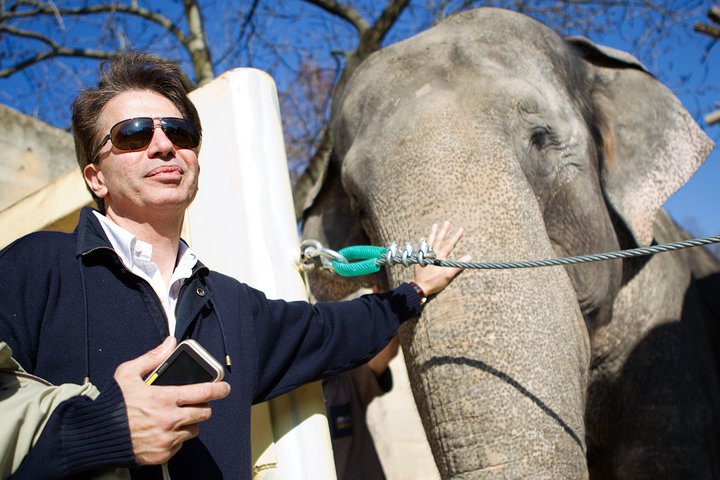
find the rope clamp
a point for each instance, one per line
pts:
(407, 255)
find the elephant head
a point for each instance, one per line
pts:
(538, 146)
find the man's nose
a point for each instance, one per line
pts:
(160, 144)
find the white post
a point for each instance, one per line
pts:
(242, 223)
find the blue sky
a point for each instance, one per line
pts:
(695, 206)
(681, 65)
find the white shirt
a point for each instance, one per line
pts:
(136, 255)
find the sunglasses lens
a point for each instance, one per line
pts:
(181, 132)
(137, 133)
(132, 134)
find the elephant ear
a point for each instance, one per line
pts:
(652, 146)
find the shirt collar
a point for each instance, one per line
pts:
(136, 253)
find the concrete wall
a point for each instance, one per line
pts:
(33, 155)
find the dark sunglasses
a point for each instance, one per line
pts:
(137, 133)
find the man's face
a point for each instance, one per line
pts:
(160, 178)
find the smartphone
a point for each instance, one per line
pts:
(188, 363)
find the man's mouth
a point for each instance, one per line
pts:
(165, 170)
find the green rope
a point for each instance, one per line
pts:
(367, 264)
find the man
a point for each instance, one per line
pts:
(76, 306)
(347, 397)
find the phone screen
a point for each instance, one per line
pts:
(184, 370)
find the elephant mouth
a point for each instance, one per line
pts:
(596, 285)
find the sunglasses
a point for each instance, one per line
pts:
(137, 133)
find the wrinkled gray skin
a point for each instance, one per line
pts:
(538, 147)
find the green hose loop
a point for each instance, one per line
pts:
(367, 254)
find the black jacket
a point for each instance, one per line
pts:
(70, 309)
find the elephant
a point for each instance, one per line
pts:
(539, 146)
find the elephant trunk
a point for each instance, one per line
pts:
(498, 364)
(498, 361)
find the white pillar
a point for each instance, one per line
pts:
(242, 223)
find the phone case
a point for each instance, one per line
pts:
(188, 363)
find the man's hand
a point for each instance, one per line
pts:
(431, 279)
(161, 418)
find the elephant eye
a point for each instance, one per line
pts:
(543, 137)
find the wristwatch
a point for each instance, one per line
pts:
(420, 292)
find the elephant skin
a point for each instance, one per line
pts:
(539, 147)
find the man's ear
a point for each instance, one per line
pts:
(95, 180)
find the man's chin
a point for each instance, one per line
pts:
(169, 205)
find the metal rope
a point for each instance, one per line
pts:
(413, 258)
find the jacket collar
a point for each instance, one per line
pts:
(90, 235)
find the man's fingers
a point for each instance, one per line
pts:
(192, 415)
(148, 361)
(168, 446)
(434, 279)
(433, 235)
(198, 393)
(443, 243)
(188, 431)
(456, 237)
(438, 234)
(444, 229)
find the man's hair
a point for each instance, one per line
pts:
(128, 71)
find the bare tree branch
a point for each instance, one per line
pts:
(344, 12)
(374, 36)
(133, 9)
(27, 34)
(197, 44)
(247, 25)
(714, 14)
(56, 52)
(707, 30)
(710, 30)
(713, 118)
(370, 41)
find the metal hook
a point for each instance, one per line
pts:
(313, 256)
